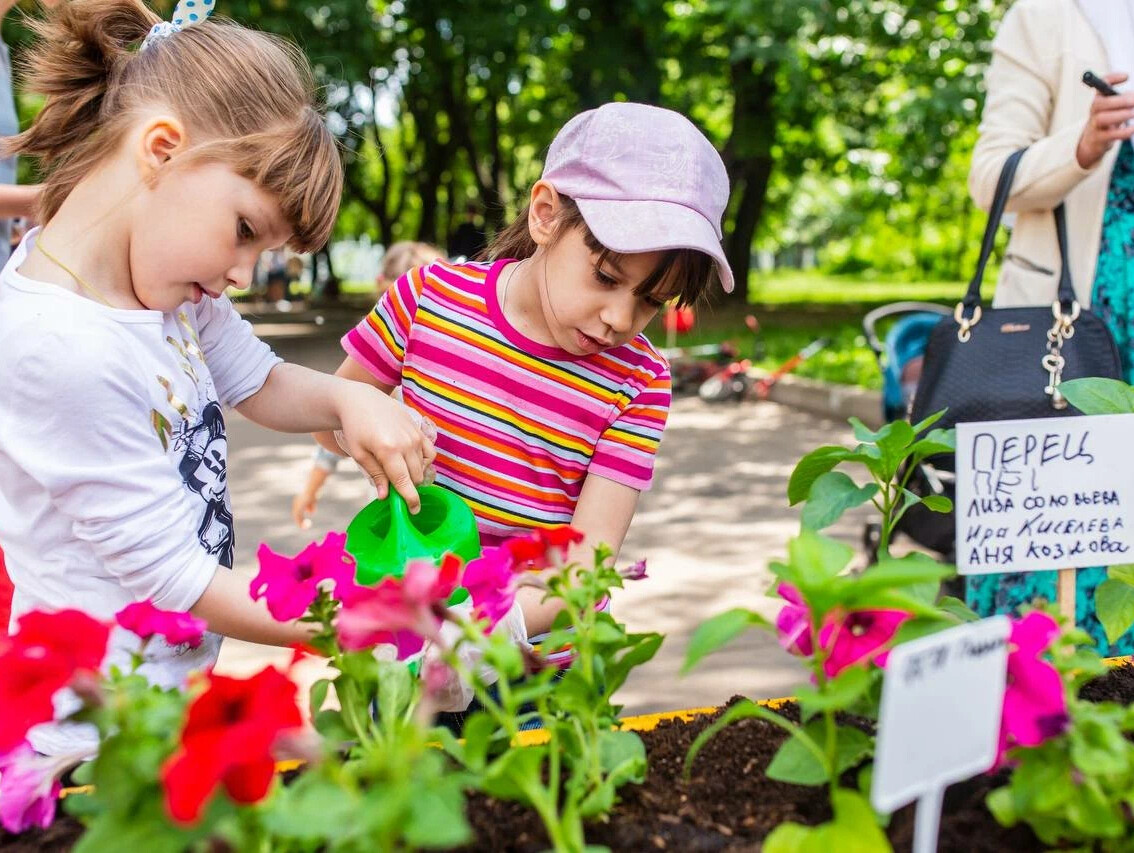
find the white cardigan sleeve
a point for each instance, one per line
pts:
(1021, 84)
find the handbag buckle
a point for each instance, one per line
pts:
(966, 323)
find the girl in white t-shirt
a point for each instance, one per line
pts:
(176, 154)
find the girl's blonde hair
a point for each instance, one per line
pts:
(246, 99)
(404, 255)
(688, 271)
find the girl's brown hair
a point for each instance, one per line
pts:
(246, 99)
(689, 271)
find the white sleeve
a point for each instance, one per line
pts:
(238, 360)
(79, 423)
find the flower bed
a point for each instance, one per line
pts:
(728, 804)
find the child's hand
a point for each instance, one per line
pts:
(381, 436)
(303, 507)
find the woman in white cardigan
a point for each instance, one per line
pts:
(1079, 154)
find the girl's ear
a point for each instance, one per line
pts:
(162, 138)
(543, 213)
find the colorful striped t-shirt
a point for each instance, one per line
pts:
(520, 424)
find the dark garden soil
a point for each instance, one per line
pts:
(728, 804)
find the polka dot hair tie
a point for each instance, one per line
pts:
(186, 14)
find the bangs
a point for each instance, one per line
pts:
(681, 274)
(301, 168)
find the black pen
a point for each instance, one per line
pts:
(1099, 84)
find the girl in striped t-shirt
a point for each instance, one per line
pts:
(548, 400)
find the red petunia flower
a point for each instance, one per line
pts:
(41, 658)
(290, 584)
(533, 552)
(403, 611)
(145, 620)
(229, 733)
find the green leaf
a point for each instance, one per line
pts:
(514, 773)
(938, 503)
(796, 763)
(957, 609)
(1124, 573)
(1003, 806)
(812, 466)
(854, 830)
(831, 495)
(816, 560)
(1096, 396)
(642, 648)
(318, 694)
(929, 421)
(839, 693)
(1114, 604)
(479, 730)
(312, 808)
(742, 710)
(437, 815)
(913, 568)
(1099, 748)
(865, 434)
(718, 631)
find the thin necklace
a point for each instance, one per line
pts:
(511, 275)
(91, 290)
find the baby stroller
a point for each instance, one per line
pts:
(900, 357)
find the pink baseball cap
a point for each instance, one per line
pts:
(645, 180)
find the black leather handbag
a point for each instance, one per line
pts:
(985, 364)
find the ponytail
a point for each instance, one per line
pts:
(82, 47)
(245, 97)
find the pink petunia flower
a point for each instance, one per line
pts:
(290, 584)
(634, 572)
(860, 636)
(403, 611)
(145, 620)
(1035, 704)
(793, 622)
(492, 580)
(29, 788)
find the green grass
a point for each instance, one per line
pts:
(796, 307)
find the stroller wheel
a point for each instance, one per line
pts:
(871, 539)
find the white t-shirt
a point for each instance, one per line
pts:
(113, 460)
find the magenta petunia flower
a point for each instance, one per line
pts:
(29, 789)
(492, 580)
(860, 636)
(1035, 703)
(793, 622)
(145, 620)
(403, 611)
(635, 572)
(290, 584)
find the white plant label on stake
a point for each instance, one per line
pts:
(1046, 493)
(939, 721)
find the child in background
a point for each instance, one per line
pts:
(176, 153)
(548, 400)
(400, 257)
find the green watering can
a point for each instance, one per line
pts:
(384, 536)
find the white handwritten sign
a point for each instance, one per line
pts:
(939, 720)
(1044, 494)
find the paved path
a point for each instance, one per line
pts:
(714, 518)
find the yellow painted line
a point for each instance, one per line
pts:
(640, 723)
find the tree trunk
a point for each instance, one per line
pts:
(748, 158)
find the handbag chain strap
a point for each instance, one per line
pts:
(1063, 329)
